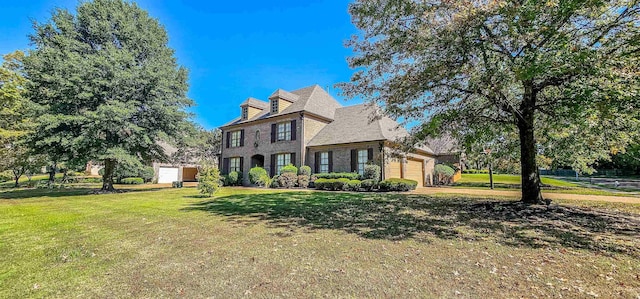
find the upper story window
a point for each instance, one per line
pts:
(245, 113)
(235, 138)
(363, 157)
(284, 131)
(324, 162)
(274, 106)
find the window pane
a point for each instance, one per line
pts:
(324, 162)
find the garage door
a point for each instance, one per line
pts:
(393, 170)
(415, 172)
(167, 175)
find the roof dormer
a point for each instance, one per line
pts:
(251, 108)
(280, 100)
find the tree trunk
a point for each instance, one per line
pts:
(107, 178)
(52, 173)
(17, 179)
(531, 193)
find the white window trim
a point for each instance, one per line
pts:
(324, 162)
(235, 139)
(362, 160)
(282, 160)
(274, 106)
(285, 132)
(245, 113)
(234, 164)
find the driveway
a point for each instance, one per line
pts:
(482, 192)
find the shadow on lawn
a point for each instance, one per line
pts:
(64, 192)
(397, 217)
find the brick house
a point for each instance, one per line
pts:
(309, 127)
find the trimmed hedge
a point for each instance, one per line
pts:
(234, 178)
(259, 176)
(289, 169)
(398, 185)
(371, 172)
(304, 170)
(331, 184)
(368, 185)
(338, 175)
(354, 185)
(133, 181)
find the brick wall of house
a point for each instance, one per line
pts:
(260, 144)
(342, 154)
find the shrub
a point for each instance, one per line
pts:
(6, 176)
(289, 169)
(353, 185)
(287, 180)
(176, 184)
(234, 178)
(331, 184)
(371, 172)
(304, 170)
(303, 181)
(133, 181)
(398, 185)
(368, 185)
(209, 180)
(274, 182)
(443, 174)
(338, 175)
(147, 173)
(259, 176)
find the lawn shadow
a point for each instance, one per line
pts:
(64, 192)
(399, 216)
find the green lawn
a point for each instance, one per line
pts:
(508, 179)
(173, 243)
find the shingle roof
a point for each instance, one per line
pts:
(253, 102)
(284, 95)
(360, 123)
(311, 99)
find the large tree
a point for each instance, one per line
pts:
(108, 85)
(565, 66)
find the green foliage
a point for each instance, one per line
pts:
(14, 107)
(338, 175)
(303, 181)
(107, 85)
(234, 178)
(287, 179)
(259, 176)
(147, 173)
(354, 185)
(305, 170)
(6, 176)
(289, 169)
(177, 184)
(371, 172)
(274, 182)
(209, 180)
(398, 185)
(550, 77)
(198, 146)
(368, 185)
(331, 184)
(443, 174)
(133, 181)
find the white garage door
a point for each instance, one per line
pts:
(167, 175)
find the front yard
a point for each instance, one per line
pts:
(158, 242)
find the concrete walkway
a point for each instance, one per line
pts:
(516, 194)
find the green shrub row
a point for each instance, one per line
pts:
(474, 171)
(338, 175)
(132, 181)
(398, 185)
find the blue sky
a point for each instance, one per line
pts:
(233, 49)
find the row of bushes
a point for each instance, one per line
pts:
(344, 184)
(475, 171)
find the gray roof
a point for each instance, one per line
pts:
(312, 99)
(253, 102)
(284, 95)
(360, 123)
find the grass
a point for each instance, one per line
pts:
(510, 182)
(264, 243)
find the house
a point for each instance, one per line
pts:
(171, 171)
(309, 127)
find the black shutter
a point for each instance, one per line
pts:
(228, 138)
(354, 160)
(273, 133)
(330, 161)
(293, 130)
(242, 137)
(242, 164)
(370, 155)
(225, 166)
(317, 163)
(293, 159)
(273, 165)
